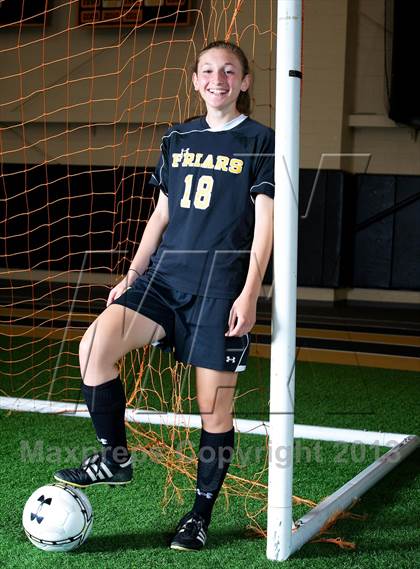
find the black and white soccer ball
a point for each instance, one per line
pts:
(57, 517)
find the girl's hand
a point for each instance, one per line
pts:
(243, 315)
(121, 287)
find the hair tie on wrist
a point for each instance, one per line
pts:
(137, 273)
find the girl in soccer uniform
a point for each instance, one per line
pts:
(194, 282)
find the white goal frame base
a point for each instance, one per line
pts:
(310, 524)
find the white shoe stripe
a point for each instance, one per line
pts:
(106, 470)
(91, 474)
(100, 475)
(201, 539)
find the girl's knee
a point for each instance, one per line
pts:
(84, 348)
(216, 422)
(97, 347)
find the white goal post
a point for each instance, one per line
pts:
(283, 339)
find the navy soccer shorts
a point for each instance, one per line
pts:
(195, 326)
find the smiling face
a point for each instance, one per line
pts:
(220, 79)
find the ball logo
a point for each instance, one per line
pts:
(42, 501)
(57, 517)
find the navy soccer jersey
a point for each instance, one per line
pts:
(211, 178)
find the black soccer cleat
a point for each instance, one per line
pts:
(191, 533)
(96, 469)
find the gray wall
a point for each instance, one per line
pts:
(129, 86)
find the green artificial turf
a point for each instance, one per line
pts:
(131, 528)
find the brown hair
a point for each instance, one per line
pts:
(243, 102)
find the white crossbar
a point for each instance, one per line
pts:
(244, 426)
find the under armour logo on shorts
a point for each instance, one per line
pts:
(230, 359)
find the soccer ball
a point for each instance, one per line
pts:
(57, 517)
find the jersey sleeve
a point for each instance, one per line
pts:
(161, 174)
(263, 182)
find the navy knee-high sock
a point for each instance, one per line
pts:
(106, 404)
(214, 458)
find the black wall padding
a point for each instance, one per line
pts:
(338, 222)
(35, 228)
(373, 235)
(324, 219)
(356, 230)
(311, 227)
(406, 257)
(405, 86)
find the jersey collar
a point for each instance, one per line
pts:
(227, 126)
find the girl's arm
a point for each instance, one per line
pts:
(243, 313)
(151, 237)
(149, 243)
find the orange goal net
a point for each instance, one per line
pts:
(87, 89)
